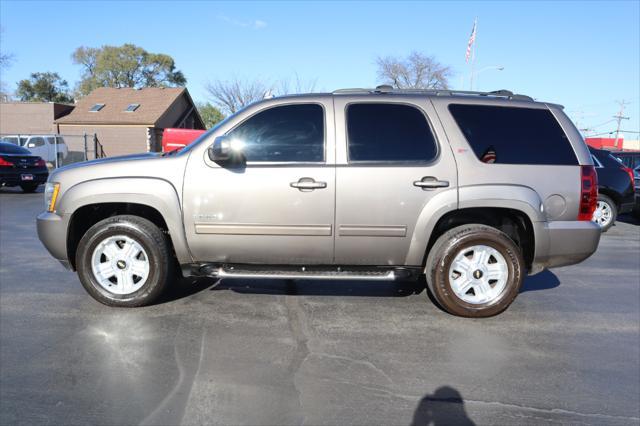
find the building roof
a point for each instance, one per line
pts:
(153, 103)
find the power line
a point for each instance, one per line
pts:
(619, 118)
(612, 132)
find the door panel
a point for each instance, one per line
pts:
(263, 213)
(257, 217)
(377, 205)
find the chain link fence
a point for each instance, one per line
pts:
(58, 149)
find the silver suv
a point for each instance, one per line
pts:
(473, 190)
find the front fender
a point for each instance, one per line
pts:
(153, 192)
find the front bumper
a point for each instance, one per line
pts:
(562, 243)
(52, 231)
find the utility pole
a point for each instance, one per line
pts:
(619, 119)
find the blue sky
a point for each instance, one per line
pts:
(584, 55)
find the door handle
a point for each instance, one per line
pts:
(308, 184)
(431, 182)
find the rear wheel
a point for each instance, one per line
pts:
(124, 261)
(29, 187)
(474, 271)
(606, 212)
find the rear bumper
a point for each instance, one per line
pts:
(562, 243)
(52, 231)
(14, 178)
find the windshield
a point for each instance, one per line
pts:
(9, 148)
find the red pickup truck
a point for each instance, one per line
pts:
(173, 139)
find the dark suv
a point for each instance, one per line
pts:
(615, 188)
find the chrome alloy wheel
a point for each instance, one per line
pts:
(120, 265)
(478, 274)
(603, 214)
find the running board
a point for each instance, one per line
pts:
(306, 274)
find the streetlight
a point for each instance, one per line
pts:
(491, 67)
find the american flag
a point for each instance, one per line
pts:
(472, 40)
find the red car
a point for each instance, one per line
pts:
(173, 139)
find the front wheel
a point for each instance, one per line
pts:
(124, 261)
(474, 271)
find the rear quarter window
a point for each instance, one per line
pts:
(509, 135)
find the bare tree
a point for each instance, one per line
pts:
(416, 71)
(5, 61)
(233, 95)
(295, 85)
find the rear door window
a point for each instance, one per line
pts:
(509, 135)
(379, 132)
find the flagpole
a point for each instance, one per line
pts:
(473, 52)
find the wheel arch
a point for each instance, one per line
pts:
(511, 208)
(154, 199)
(612, 194)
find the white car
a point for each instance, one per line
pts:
(47, 147)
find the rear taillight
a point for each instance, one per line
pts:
(630, 171)
(588, 192)
(5, 163)
(41, 163)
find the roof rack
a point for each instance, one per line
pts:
(385, 89)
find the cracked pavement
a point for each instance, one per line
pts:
(282, 352)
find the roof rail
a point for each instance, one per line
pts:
(386, 89)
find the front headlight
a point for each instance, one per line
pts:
(51, 196)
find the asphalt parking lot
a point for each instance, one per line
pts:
(281, 352)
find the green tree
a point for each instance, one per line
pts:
(125, 66)
(210, 114)
(44, 87)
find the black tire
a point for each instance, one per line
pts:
(445, 250)
(154, 242)
(29, 187)
(614, 211)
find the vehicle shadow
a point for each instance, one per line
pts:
(186, 287)
(322, 287)
(444, 407)
(541, 281)
(628, 218)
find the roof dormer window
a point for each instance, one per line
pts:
(96, 107)
(132, 107)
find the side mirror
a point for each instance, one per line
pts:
(221, 149)
(224, 149)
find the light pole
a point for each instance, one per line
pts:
(491, 67)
